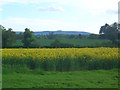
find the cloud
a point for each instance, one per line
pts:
(112, 12)
(100, 6)
(2, 2)
(36, 24)
(51, 9)
(101, 9)
(48, 5)
(27, 1)
(93, 6)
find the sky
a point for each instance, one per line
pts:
(53, 15)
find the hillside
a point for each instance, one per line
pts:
(59, 32)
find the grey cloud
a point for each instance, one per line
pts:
(113, 11)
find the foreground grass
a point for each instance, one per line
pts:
(76, 79)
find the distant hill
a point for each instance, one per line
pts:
(59, 32)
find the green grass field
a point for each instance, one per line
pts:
(76, 79)
(76, 42)
(79, 42)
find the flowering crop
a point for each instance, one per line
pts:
(62, 59)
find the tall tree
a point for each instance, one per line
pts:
(110, 32)
(27, 38)
(8, 37)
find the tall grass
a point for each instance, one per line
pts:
(62, 59)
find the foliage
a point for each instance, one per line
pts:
(109, 36)
(93, 36)
(8, 37)
(110, 32)
(65, 42)
(58, 44)
(28, 38)
(51, 35)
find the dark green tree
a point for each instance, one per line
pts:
(19, 36)
(51, 35)
(8, 37)
(56, 44)
(93, 36)
(80, 36)
(110, 32)
(27, 38)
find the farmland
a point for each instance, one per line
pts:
(43, 63)
(65, 59)
(44, 42)
(59, 44)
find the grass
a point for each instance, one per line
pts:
(80, 42)
(77, 42)
(76, 79)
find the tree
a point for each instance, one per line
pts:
(27, 38)
(93, 36)
(56, 44)
(110, 32)
(19, 36)
(104, 28)
(8, 37)
(80, 36)
(51, 35)
(72, 36)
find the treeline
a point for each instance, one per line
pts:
(28, 40)
(111, 32)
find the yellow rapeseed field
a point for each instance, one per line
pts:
(45, 54)
(66, 57)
